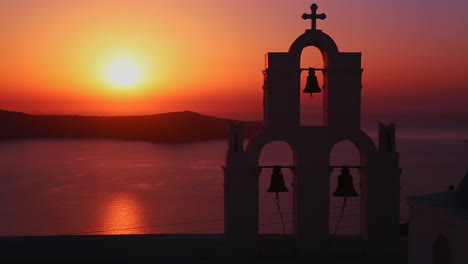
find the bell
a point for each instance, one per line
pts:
(312, 83)
(345, 186)
(277, 182)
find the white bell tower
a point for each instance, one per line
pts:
(379, 165)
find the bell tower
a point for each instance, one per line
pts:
(379, 165)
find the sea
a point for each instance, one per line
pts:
(93, 187)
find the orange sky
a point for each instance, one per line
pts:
(207, 55)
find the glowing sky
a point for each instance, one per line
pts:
(207, 55)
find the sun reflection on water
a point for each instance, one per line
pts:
(122, 214)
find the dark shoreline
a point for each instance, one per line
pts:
(175, 127)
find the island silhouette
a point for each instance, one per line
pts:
(173, 127)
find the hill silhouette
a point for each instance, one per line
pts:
(174, 127)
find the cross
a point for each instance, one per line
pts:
(313, 17)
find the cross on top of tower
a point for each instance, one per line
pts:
(314, 16)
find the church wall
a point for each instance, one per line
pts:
(426, 223)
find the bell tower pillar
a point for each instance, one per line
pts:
(311, 230)
(380, 197)
(241, 175)
(281, 102)
(342, 102)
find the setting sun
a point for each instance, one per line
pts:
(123, 72)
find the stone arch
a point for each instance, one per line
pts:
(266, 147)
(441, 251)
(257, 143)
(344, 141)
(367, 149)
(318, 39)
(363, 143)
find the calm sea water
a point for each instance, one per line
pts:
(55, 187)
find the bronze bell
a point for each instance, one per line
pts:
(345, 186)
(277, 181)
(312, 83)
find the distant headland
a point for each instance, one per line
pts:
(173, 127)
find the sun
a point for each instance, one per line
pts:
(123, 72)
